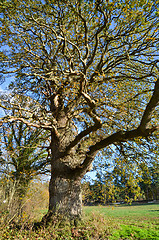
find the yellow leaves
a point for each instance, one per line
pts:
(125, 10)
(150, 38)
(97, 73)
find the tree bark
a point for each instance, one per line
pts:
(65, 200)
(65, 197)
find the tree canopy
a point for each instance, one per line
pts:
(91, 69)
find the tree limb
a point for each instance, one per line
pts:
(154, 101)
(15, 119)
(122, 136)
(117, 137)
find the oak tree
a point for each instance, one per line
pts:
(91, 68)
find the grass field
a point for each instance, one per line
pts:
(100, 222)
(132, 222)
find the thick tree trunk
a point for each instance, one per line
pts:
(65, 197)
(65, 200)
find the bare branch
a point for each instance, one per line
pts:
(86, 35)
(15, 119)
(154, 101)
(96, 36)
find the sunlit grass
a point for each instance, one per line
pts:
(147, 210)
(134, 222)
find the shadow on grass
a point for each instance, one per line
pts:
(153, 210)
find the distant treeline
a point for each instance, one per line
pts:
(103, 191)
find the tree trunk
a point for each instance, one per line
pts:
(65, 200)
(65, 197)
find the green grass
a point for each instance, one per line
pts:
(147, 210)
(134, 222)
(101, 222)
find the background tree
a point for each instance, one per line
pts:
(150, 181)
(128, 176)
(91, 69)
(23, 159)
(130, 168)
